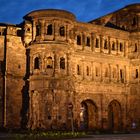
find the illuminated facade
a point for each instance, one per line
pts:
(56, 71)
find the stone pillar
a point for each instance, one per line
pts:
(92, 70)
(42, 29)
(118, 73)
(125, 74)
(93, 42)
(124, 46)
(83, 70)
(101, 72)
(34, 30)
(56, 64)
(56, 30)
(83, 41)
(101, 43)
(109, 45)
(126, 49)
(138, 21)
(110, 74)
(67, 32)
(117, 46)
(68, 64)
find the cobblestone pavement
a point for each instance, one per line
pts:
(111, 137)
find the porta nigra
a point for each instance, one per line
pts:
(57, 73)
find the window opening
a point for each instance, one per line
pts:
(105, 44)
(36, 63)
(62, 63)
(78, 40)
(38, 29)
(97, 43)
(49, 29)
(78, 70)
(88, 41)
(121, 47)
(62, 31)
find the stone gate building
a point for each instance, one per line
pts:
(56, 71)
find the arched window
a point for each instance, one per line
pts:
(78, 40)
(97, 43)
(136, 47)
(105, 44)
(88, 41)
(49, 29)
(137, 74)
(62, 63)
(97, 73)
(38, 30)
(106, 72)
(78, 70)
(62, 31)
(49, 62)
(113, 46)
(134, 21)
(121, 75)
(114, 73)
(121, 47)
(36, 63)
(87, 71)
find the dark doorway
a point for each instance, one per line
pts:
(114, 116)
(88, 115)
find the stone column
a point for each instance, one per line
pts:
(56, 30)
(92, 42)
(125, 74)
(33, 30)
(42, 29)
(83, 41)
(138, 21)
(101, 43)
(118, 73)
(67, 32)
(68, 64)
(109, 45)
(92, 70)
(56, 64)
(101, 72)
(117, 46)
(83, 70)
(110, 74)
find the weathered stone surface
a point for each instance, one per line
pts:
(56, 71)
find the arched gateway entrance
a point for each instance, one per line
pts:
(114, 116)
(88, 115)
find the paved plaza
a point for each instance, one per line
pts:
(111, 137)
(5, 136)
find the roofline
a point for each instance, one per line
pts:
(114, 11)
(41, 10)
(8, 24)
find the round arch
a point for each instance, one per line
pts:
(88, 115)
(114, 116)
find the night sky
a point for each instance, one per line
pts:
(12, 11)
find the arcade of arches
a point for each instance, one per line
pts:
(89, 116)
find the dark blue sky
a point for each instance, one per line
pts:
(12, 11)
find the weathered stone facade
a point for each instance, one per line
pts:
(58, 73)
